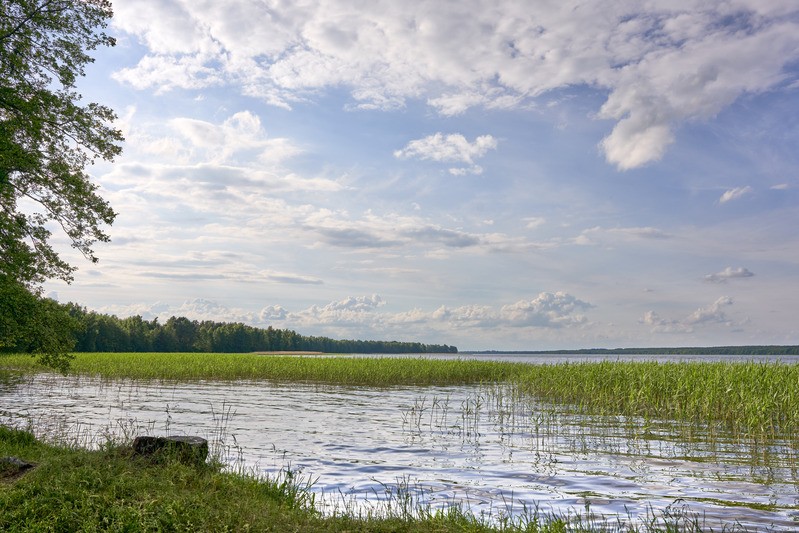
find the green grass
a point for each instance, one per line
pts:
(759, 399)
(340, 370)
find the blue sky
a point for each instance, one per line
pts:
(489, 174)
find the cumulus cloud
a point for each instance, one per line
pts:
(702, 317)
(357, 304)
(711, 314)
(660, 65)
(203, 309)
(547, 310)
(734, 194)
(272, 313)
(354, 315)
(729, 273)
(452, 148)
(241, 133)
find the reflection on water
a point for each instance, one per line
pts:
(483, 447)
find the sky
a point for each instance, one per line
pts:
(488, 174)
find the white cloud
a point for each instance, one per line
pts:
(165, 73)
(356, 304)
(548, 310)
(452, 148)
(729, 273)
(352, 316)
(534, 222)
(660, 64)
(702, 317)
(195, 309)
(710, 314)
(239, 133)
(272, 313)
(734, 194)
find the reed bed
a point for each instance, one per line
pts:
(328, 369)
(749, 397)
(752, 398)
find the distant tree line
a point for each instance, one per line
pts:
(705, 350)
(96, 332)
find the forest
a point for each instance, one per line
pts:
(96, 332)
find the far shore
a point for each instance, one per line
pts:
(286, 352)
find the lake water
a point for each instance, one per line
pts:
(476, 446)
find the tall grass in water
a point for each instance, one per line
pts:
(750, 397)
(332, 369)
(756, 398)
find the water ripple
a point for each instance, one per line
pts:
(443, 445)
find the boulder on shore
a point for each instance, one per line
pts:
(12, 467)
(184, 448)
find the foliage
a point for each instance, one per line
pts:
(107, 333)
(36, 325)
(48, 137)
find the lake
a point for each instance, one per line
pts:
(483, 447)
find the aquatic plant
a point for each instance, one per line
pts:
(328, 369)
(751, 398)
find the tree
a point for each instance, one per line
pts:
(30, 323)
(48, 136)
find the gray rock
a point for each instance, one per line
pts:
(13, 466)
(186, 449)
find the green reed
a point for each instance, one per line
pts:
(328, 369)
(749, 397)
